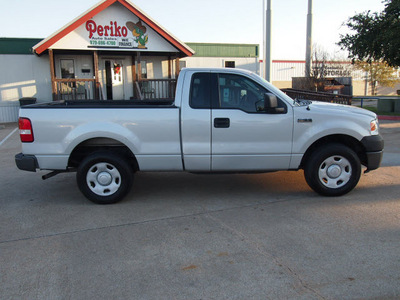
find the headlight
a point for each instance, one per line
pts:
(374, 127)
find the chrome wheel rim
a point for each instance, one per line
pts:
(103, 179)
(335, 172)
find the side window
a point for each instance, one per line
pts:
(200, 91)
(239, 92)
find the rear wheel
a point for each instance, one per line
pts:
(333, 170)
(104, 178)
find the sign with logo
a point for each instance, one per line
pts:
(115, 28)
(132, 35)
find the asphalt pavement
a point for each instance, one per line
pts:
(185, 236)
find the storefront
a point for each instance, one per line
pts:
(114, 51)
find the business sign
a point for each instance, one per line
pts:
(132, 35)
(115, 28)
(333, 70)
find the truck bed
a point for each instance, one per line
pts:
(150, 103)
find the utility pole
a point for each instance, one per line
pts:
(267, 44)
(309, 40)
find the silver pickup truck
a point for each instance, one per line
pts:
(221, 120)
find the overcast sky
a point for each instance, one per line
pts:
(221, 21)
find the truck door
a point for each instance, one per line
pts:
(245, 137)
(196, 121)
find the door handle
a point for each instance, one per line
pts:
(222, 122)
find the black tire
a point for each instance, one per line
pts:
(333, 170)
(104, 178)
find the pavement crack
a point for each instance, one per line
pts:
(201, 213)
(301, 284)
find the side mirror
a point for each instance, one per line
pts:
(270, 100)
(269, 105)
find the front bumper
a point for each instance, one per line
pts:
(26, 162)
(374, 151)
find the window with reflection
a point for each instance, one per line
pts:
(242, 93)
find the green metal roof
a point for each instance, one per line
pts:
(224, 50)
(17, 45)
(24, 46)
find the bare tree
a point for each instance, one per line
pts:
(317, 72)
(324, 65)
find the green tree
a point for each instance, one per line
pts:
(378, 72)
(375, 36)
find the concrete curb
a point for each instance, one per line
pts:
(389, 118)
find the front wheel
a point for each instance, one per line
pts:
(104, 178)
(333, 170)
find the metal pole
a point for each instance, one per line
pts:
(268, 32)
(366, 85)
(309, 40)
(262, 67)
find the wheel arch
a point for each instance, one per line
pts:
(93, 145)
(346, 140)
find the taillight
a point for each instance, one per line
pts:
(25, 130)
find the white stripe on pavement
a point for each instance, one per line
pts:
(8, 136)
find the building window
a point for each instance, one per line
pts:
(229, 64)
(67, 68)
(143, 64)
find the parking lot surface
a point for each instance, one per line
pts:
(185, 236)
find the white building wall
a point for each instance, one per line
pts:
(157, 67)
(285, 70)
(247, 63)
(8, 112)
(22, 76)
(80, 62)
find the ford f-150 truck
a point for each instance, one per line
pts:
(221, 120)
